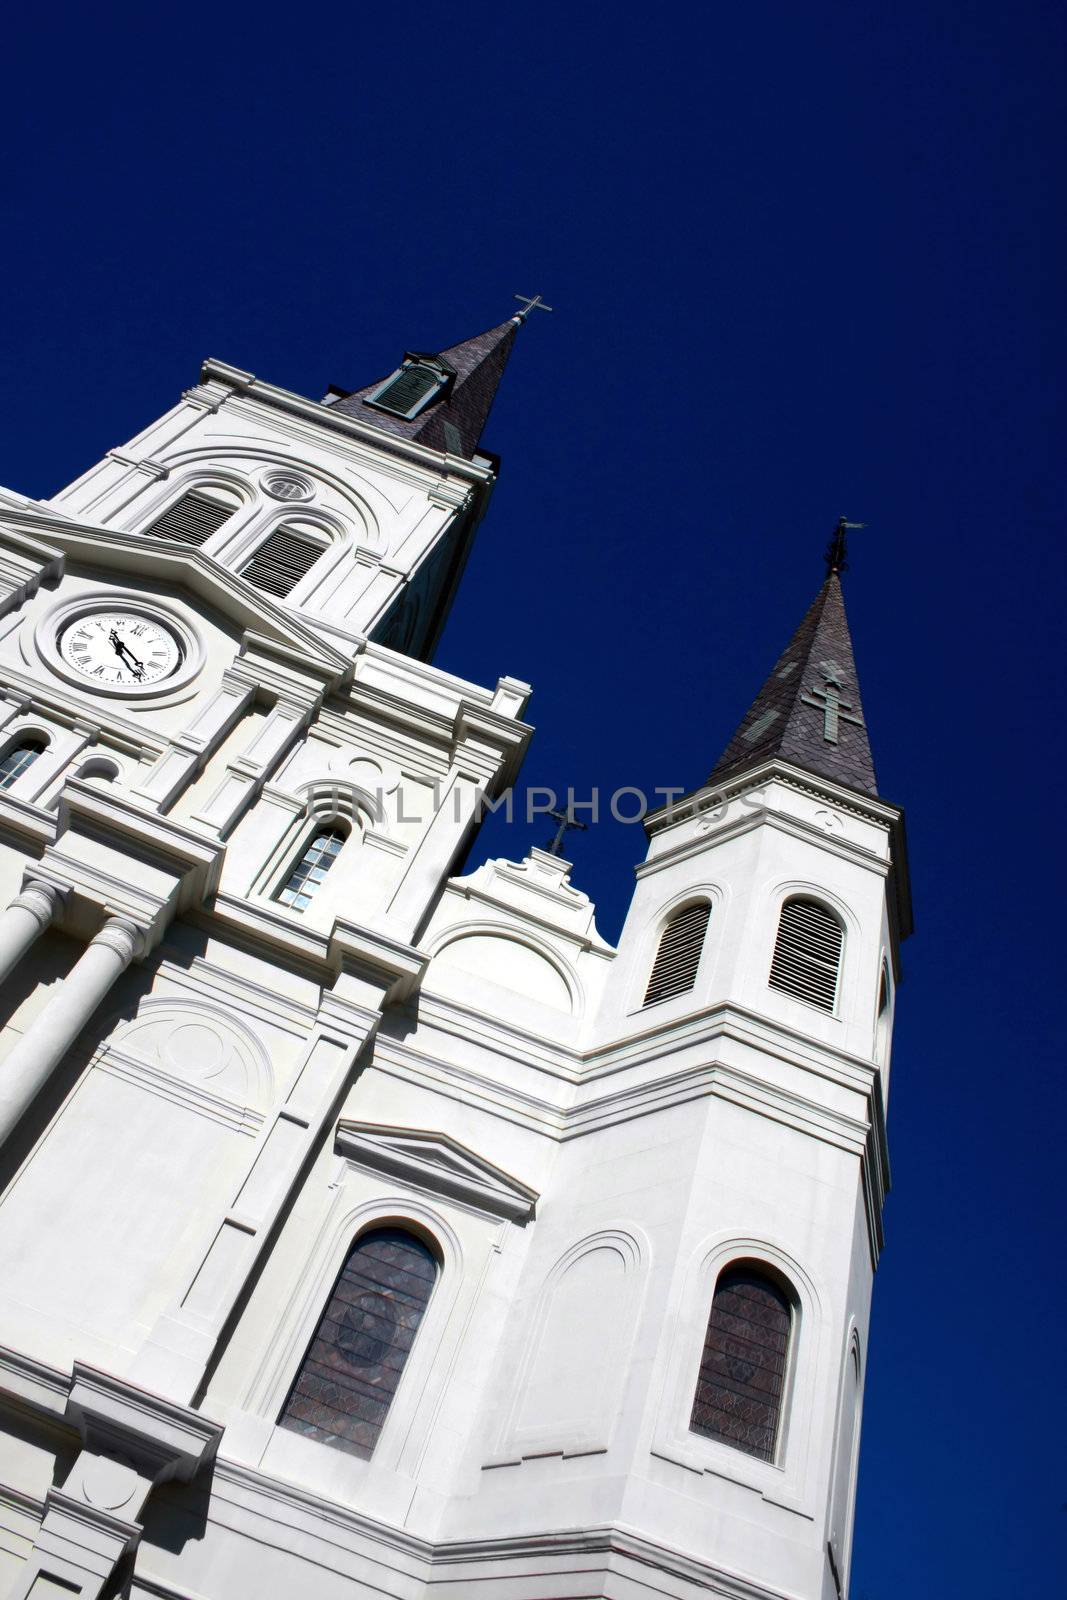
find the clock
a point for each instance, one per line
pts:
(120, 649)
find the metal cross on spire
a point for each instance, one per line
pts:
(530, 303)
(836, 556)
(554, 847)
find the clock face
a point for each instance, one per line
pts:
(120, 649)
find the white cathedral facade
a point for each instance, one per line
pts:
(372, 1231)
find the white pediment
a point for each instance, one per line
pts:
(160, 563)
(438, 1163)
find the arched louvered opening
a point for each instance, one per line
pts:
(353, 1366)
(279, 563)
(675, 968)
(315, 861)
(807, 953)
(192, 519)
(20, 756)
(744, 1363)
(409, 390)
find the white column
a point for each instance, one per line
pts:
(30, 1064)
(26, 917)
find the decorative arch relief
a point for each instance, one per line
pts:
(496, 955)
(574, 1369)
(201, 1047)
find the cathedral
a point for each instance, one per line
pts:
(369, 1228)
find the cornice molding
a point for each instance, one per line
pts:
(346, 1533)
(115, 1417)
(476, 472)
(110, 816)
(882, 813)
(36, 1384)
(873, 810)
(31, 824)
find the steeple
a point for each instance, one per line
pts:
(441, 400)
(809, 711)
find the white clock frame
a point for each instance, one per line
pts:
(54, 624)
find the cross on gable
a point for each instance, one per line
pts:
(828, 700)
(554, 847)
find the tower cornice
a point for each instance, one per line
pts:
(882, 814)
(479, 470)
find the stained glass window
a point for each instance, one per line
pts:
(18, 758)
(743, 1367)
(353, 1365)
(321, 853)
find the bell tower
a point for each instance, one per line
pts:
(357, 511)
(754, 982)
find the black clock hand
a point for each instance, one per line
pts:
(121, 650)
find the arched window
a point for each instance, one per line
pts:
(353, 1365)
(193, 517)
(22, 754)
(318, 857)
(739, 1393)
(277, 565)
(807, 953)
(678, 957)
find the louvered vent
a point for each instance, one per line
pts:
(405, 393)
(807, 953)
(190, 520)
(281, 561)
(678, 956)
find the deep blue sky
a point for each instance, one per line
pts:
(807, 260)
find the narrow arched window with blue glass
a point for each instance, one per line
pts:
(20, 756)
(315, 861)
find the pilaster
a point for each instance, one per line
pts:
(373, 971)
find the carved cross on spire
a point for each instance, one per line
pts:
(828, 700)
(554, 847)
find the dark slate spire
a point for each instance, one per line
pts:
(808, 711)
(455, 421)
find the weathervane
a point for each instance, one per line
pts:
(554, 847)
(530, 303)
(836, 556)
